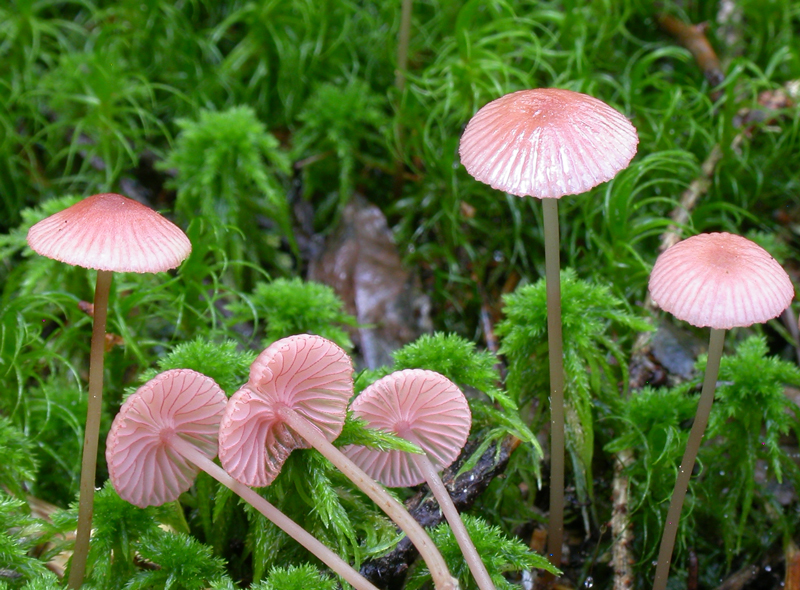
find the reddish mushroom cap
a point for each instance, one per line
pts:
(547, 143)
(111, 232)
(144, 469)
(421, 406)
(310, 375)
(720, 280)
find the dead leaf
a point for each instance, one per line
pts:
(361, 263)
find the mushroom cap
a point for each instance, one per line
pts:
(421, 406)
(306, 373)
(111, 232)
(720, 280)
(144, 468)
(547, 143)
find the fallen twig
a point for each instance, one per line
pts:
(693, 38)
(792, 579)
(621, 532)
(697, 188)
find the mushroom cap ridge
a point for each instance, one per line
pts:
(421, 406)
(547, 143)
(111, 232)
(721, 281)
(306, 373)
(143, 468)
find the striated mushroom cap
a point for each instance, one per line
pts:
(111, 232)
(421, 406)
(144, 469)
(310, 375)
(547, 143)
(721, 281)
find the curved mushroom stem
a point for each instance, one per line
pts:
(286, 524)
(92, 432)
(690, 454)
(442, 496)
(393, 509)
(555, 534)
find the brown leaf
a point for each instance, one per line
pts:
(113, 340)
(360, 261)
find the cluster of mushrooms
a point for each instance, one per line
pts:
(544, 143)
(296, 397)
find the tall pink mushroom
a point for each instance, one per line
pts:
(547, 143)
(429, 410)
(297, 397)
(166, 433)
(720, 281)
(109, 233)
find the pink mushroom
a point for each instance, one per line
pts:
(721, 281)
(110, 233)
(547, 143)
(166, 432)
(429, 410)
(297, 396)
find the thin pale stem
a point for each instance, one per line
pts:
(473, 559)
(402, 44)
(400, 82)
(393, 509)
(286, 524)
(92, 431)
(687, 464)
(555, 534)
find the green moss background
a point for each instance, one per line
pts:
(252, 124)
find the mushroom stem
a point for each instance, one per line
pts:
(554, 340)
(92, 431)
(286, 524)
(690, 454)
(450, 512)
(393, 509)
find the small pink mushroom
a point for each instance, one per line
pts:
(429, 410)
(547, 143)
(166, 432)
(720, 281)
(109, 233)
(297, 396)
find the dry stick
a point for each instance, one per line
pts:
(791, 580)
(693, 38)
(92, 432)
(690, 454)
(622, 533)
(471, 556)
(428, 551)
(555, 344)
(697, 188)
(298, 533)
